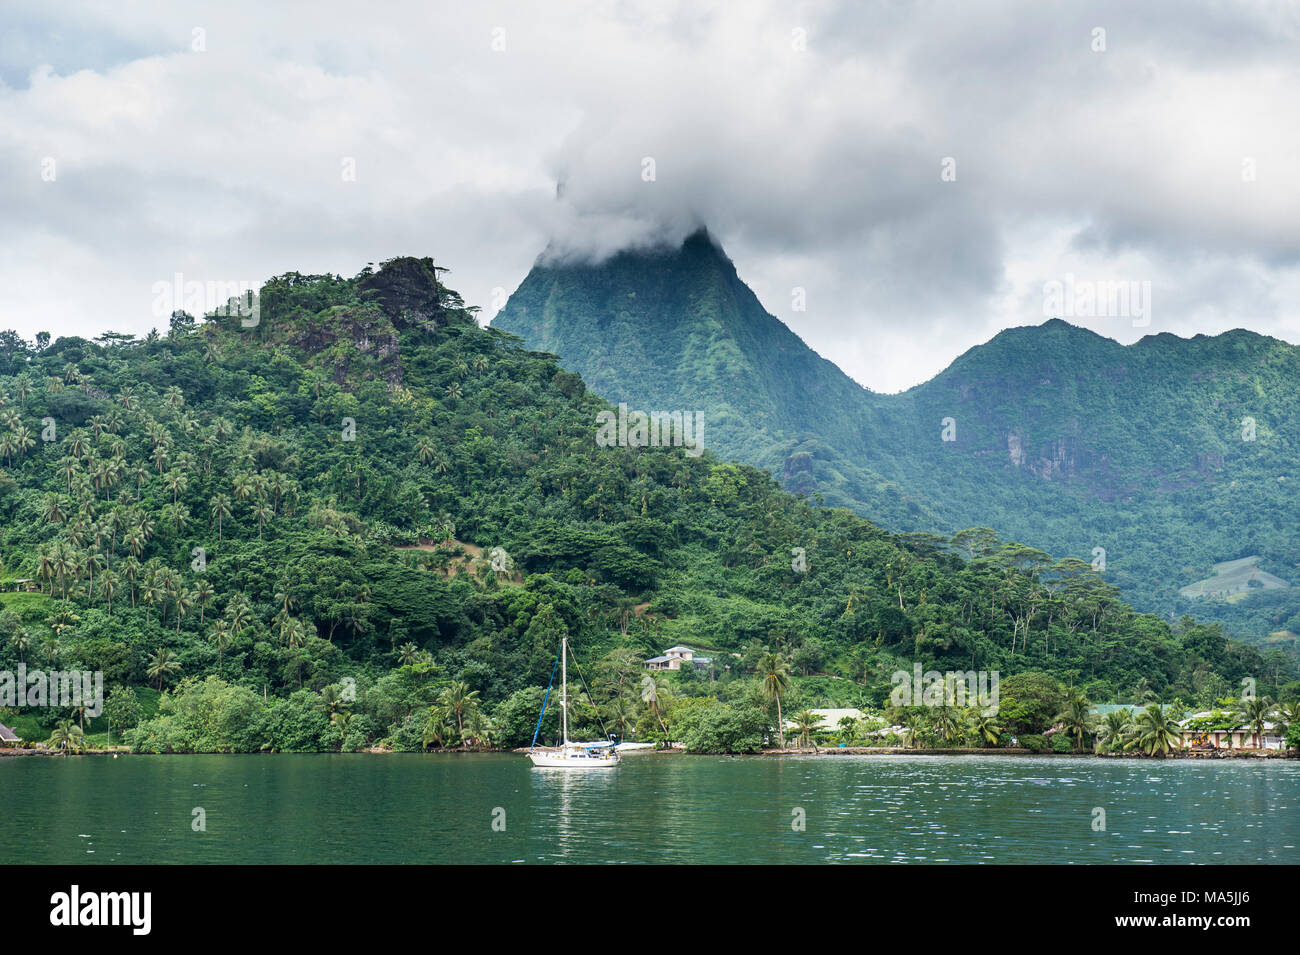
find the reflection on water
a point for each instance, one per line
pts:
(651, 808)
(574, 796)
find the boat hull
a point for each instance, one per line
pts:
(563, 761)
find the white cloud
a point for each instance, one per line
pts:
(817, 167)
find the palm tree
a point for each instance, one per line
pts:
(947, 723)
(20, 642)
(64, 565)
(984, 727)
(1254, 713)
(340, 721)
(622, 713)
(1288, 713)
(184, 601)
(107, 587)
(52, 511)
(220, 638)
(220, 509)
(67, 738)
(203, 597)
(458, 699)
(152, 595)
(776, 683)
(293, 632)
(806, 721)
(913, 723)
(1114, 730)
(176, 482)
(162, 665)
(651, 690)
(263, 514)
(131, 570)
(1153, 733)
(1076, 717)
(79, 711)
(239, 613)
(436, 729)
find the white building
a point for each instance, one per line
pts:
(674, 657)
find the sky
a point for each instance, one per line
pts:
(897, 182)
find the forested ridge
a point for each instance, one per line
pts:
(1170, 455)
(365, 520)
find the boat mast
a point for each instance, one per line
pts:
(564, 686)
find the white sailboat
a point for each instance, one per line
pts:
(572, 755)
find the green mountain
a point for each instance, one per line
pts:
(364, 520)
(1061, 438)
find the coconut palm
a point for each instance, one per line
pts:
(184, 601)
(806, 721)
(1076, 717)
(913, 724)
(622, 713)
(20, 642)
(651, 691)
(776, 683)
(107, 587)
(1288, 713)
(1153, 733)
(220, 638)
(161, 666)
(67, 738)
(203, 595)
(52, 509)
(1254, 713)
(239, 613)
(947, 723)
(437, 731)
(340, 721)
(458, 700)
(983, 726)
(1114, 730)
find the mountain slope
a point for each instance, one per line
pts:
(678, 329)
(1064, 439)
(255, 519)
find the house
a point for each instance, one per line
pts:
(8, 737)
(830, 718)
(674, 657)
(1217, 730)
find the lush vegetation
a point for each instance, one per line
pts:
(366, 521)
(1061, 438)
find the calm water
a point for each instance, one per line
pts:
(659, 809)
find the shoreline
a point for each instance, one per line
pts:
(675, 751)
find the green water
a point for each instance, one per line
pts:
(650, 809)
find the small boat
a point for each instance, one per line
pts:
(570, 755)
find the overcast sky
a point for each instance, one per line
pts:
(216, 140)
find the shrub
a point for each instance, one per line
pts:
(1035, 743)
(724, 728)
(1061, 744)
